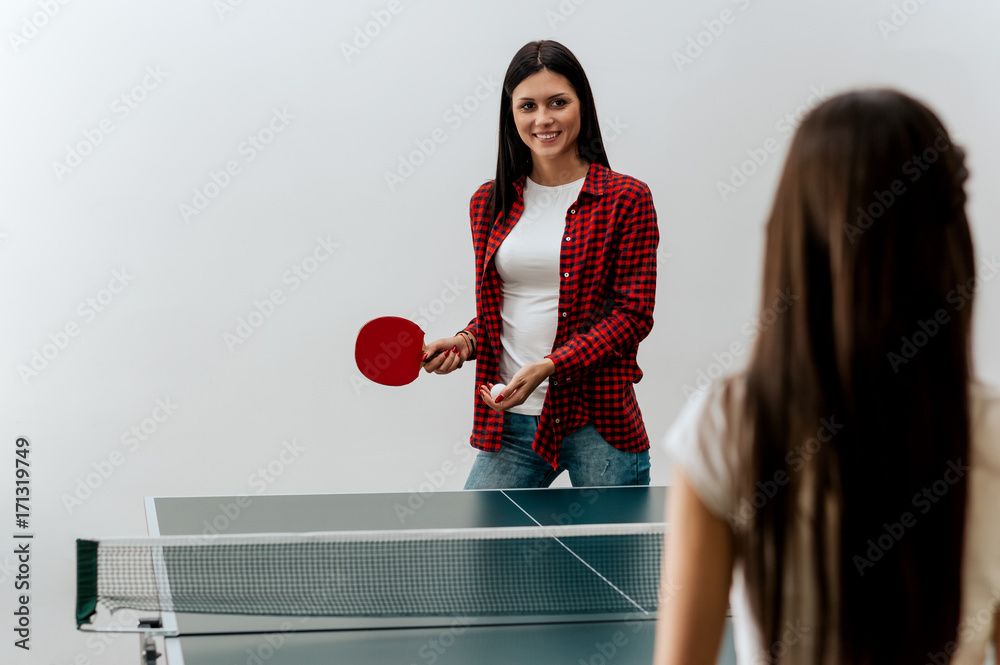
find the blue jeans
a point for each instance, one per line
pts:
(590, 460)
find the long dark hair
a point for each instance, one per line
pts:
(869, 239)
(514, 157)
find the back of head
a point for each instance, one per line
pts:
(869, 240)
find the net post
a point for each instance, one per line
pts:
(149, 654)
(86, 580)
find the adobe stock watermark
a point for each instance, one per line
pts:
(899, 16)
(98, 643)
(86, 312)
(893, 532)
(791, 636)
(453, 117)
(796, 459)
(726, 361)
(423, 317)
(969, 627)
(574, 512)
(605, 651)
(224, 8)
(919, 339)
(562, 12)
(248, 149)
(435, 647)
(912, 168)
(121, 108)
(132, 439)
(741, 172)
(297, 274)
(662, 256)
(959, 297)
(259, 480)
(704, 39)
(611, 130)
(265, 476)
(8, 567)
(434, 481)
(365, 34)
(33, 24)
(270, 643)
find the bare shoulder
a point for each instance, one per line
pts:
(985, 406)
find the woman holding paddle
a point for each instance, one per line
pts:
(565, 284)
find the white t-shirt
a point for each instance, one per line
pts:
(702, 443)
(528, 264)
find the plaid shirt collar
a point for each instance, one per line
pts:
(597, 176)
(593, 185)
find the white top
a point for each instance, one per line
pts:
(702, 441)
(528, 264)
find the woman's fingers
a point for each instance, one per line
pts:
(511, 395)
(450, 360)
(433, 357)
(484, 394)
(495, 404)
(442, 356)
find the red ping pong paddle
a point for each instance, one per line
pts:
(389, 350)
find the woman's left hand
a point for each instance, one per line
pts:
(522, 384)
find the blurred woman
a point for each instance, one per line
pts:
(840, 492)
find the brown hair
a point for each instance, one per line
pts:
(868, 231)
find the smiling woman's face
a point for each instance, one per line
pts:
(547, 115)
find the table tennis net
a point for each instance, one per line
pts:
(461, 572)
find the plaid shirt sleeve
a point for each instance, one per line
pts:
(479, 216)
(473, 328)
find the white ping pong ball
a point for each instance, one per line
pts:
(496, 390)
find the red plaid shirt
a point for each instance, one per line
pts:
(606, 294)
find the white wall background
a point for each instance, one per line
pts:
(75, 78)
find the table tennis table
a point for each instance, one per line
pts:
(206, 639)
